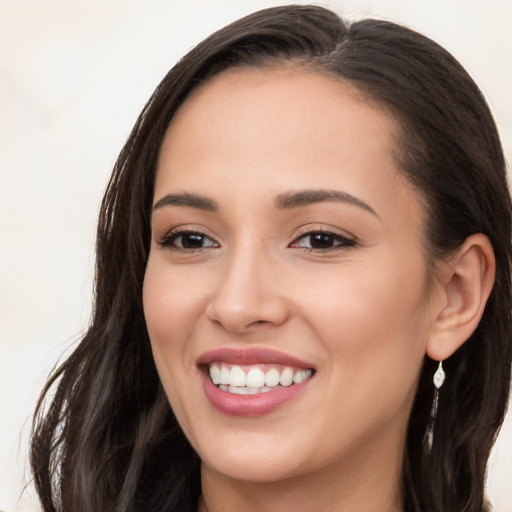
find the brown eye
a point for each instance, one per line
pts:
(323, 241)
(188, 240)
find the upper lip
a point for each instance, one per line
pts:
(247, 356)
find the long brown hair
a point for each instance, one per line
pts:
(108, 439)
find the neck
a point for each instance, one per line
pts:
(369, 481)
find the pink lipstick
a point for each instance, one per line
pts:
(252, 382)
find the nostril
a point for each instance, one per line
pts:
(254, 309)
(260, 322)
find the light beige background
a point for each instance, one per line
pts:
(74, 74)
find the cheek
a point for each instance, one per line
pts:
(170, 316)
(374, 323)
(367, 300)
(374, 331)
(171, 306)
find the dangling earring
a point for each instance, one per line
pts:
(439, 377)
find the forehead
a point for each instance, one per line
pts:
(262, 131)
(250, 99)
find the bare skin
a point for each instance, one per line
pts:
(341, 282)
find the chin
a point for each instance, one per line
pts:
(254, 457)
(255, 468)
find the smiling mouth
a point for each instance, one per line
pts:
(255, 379)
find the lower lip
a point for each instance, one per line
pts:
(250, 405)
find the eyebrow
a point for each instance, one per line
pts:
(186, 199)
(300, 198)
(285, 201)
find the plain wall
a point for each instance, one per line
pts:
(74, 75)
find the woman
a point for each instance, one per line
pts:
(309, 220)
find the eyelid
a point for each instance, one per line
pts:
(173, 233)
(319, 228)
(347, 239)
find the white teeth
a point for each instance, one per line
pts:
(255, 378)
(244, 391)
(286, 378)
(224, 375)
(215, 374)
(234, 379)
(301, 376)
(272, 378)
(238, 390)
(237, 377)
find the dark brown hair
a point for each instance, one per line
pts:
(108, 440)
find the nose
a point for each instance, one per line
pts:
(249, 294)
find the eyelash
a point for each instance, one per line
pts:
(170, 239)
(341, 241)
(344, 242)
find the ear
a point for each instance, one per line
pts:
(466, 281)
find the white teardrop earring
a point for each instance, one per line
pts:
(438, 380)
(439, 376)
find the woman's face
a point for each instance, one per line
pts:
(287, 259)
